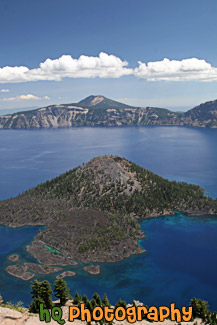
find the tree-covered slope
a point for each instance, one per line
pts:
(92, 212)
(204, 115)
(115, 184)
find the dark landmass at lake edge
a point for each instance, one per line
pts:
(101, 111)
(92, 269)
(65, 274)
(92, 212)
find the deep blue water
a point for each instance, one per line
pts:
(28, 157)
(14, 241)
(181, 258)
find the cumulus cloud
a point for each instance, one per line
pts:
(110, 66)
(4, 90)
(24, 97)
(172, 70)
(103, 66)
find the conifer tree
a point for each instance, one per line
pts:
(121, 303)
(97, 298)
(77, 299)
(105, 301)
(41, 294)
(61, 291)
(93, 303)
(200, 308)
(85, 300)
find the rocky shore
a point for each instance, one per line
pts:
(42, 269)
(39, 250)
(65, 275)
(92, 269)
(20, 271)
(13, 258)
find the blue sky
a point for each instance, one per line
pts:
(50, 52)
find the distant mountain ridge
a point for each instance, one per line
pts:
(101, 102)
(203, 115)
(102, 111)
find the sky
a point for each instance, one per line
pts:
(142, 52)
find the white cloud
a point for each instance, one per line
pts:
(111, 66)
(103, 66)
(24, 97)
(172, 70)
(4, 90)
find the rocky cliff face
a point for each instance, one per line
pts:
(101, 111)
(204, 115)
(70, 115)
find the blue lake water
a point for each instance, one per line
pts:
(181, 258)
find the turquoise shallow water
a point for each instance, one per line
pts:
(180, 263)
(181, 258)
